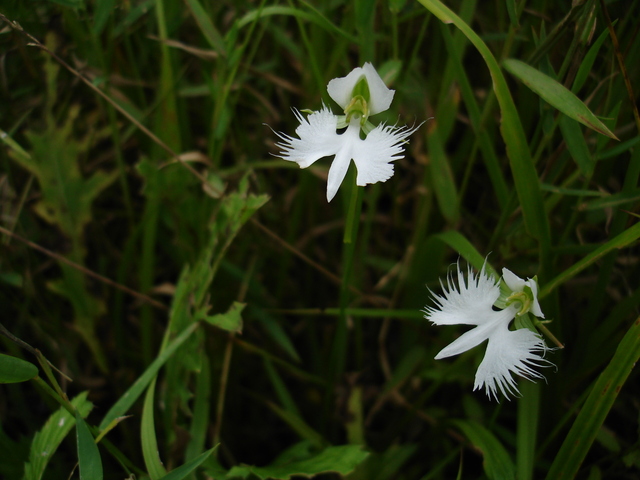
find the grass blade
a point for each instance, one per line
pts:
(598, 404)
(89, 461)
(184, 470)
(620, 241)
(130, 396)
(148, 437)
(524, 173)
(496, 461)
(46, 441)
(557, 95)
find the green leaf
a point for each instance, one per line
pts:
(184, 470)
(625, 238)
(103, 10)
(231, 320)
(89, 461)
(314, 17)
(615, 200)
(442, 177)
(15, 370)
(47, 440)
(464, 247)
(496, 461)
(342, 460)
(207, 27)
(522, 168)
(587, 63)
(556, 95)
(130, 396)
(577, 145)
(148, 437)
(597, 406)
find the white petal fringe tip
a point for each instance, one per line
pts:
(318, 137)
(508, 351)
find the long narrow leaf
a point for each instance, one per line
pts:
(595, 410)
(620, 241)
(557, 95)
(184, 470)
(130, 396)
(148, 437)
(524, 173)
(89, 461)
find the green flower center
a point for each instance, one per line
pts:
(359, 105)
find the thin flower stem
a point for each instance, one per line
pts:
(340, 341)
(540, 326)
(353, 215)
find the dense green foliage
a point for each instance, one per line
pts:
(199, 293)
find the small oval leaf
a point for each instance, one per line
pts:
(15, 370)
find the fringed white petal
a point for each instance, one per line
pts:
(509, 352)
(318, 138)
(468, 303)
(373, 157)
(341, 89)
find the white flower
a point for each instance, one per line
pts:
(361, 93)
(508, 351)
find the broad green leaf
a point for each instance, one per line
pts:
(342, 460)
(497, 463)
(47, 440)
(89, 461)
(556, 95)
(148, 437)
(133, 393)
(184, 470)
(231, 320)
(15, 370)
(597, 406)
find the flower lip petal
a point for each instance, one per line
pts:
(349, 142)
(490, 322)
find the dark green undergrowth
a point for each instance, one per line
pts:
(178, 302)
